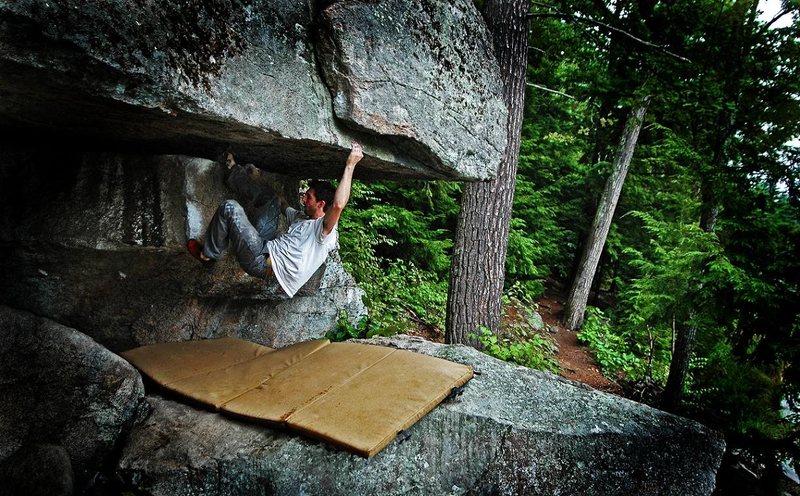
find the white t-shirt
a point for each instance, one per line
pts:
(299, 253)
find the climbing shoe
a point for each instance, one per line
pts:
(196, 248)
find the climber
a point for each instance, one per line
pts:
(291, 258)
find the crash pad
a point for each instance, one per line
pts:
(353, 395)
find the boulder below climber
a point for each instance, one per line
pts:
(512, 431)
(61, 389)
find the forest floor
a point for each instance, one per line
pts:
(575, 359)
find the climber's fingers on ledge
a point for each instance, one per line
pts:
(356, 151)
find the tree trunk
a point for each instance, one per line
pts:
(684, 344)
(710, 207)
(481, 239)
(579, 293)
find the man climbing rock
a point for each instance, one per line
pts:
(293, 257)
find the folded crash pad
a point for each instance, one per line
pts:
(353, 395)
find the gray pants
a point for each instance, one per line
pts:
(258, 199)
(231, 227)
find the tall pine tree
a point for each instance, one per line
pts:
(481, 238)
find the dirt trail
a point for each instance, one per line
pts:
(576, 362)
(575, 359)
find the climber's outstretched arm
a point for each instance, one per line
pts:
(342, 194)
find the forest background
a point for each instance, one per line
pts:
(704, 239)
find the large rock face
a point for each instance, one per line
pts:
(431, 100)
(59, 387)
(130, 297)
(98, 244)
(511, 431)
(414, 80)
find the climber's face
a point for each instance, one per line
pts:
(312, 206)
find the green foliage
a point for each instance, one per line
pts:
(716, 139)
(737, 397)
(415, 291)
(612, 351)
(387, 221)
(524, 292)
(346, 330)
(678, 275)
(395, 241)
(547, 214)
(530, 350)
(556, 182)
(402, 295)
(762, 238)
(365, 328)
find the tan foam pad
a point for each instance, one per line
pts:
(165, 363)
(354, 395)
(217, 387)
(296, 387)
(380, 402)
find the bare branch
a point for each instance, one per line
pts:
(609, 27)
(541, 4)
(778, 16)
(543, 88)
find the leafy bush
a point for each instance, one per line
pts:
(533, 350)
(395, 243)
(416, 291)
(737, 397)
(526, 292)
(365, 328)
(610, 350)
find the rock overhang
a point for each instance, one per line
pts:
(281, 84)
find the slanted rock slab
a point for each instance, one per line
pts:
(405, 69)
(61, 388)
(511, 431)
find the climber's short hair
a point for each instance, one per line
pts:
(323, 190)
